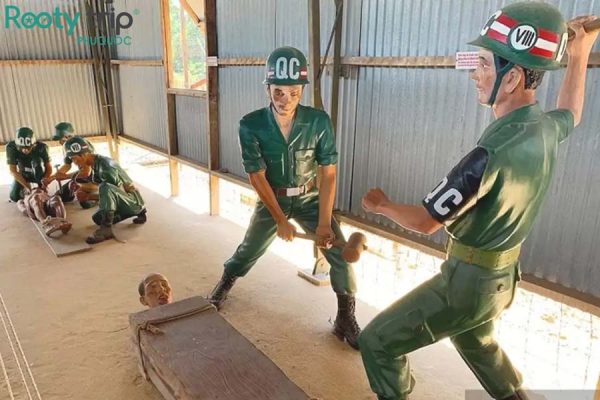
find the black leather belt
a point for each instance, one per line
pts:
(295, 191)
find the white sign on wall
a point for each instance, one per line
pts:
(467, 59)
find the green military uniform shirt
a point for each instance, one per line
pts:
(105, 169)
(522, 148)
(28, 163)
(290, 163)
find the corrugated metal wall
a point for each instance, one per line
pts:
(403, 128)
(192, 128)
(39, 96)
(142, 89)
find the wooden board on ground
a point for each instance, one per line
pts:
(63, 245)
(201, 356)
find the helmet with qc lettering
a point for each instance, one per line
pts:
(286, 66)
(25, 137)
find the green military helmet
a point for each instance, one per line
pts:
(63, 129)
(530, 34)
(25, 137)
(76, 146)
(286, 66)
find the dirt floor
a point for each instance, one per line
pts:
(70, 313)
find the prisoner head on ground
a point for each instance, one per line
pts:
(154, 290)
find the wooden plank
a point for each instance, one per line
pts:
(210, 10)
(184, 49)
(46, 62)
(337, 67)
(201, 356)
(166, 36)
(314, 52)
(138, 63)
(191, 163)
(188, 92)
(214, 194)
(144, 145)
(597, 395)
(63, 245)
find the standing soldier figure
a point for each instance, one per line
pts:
(283, 147)
(487, 204)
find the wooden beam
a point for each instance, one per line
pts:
(172, 143)
(166, 36)
(314, 52)
(212, 103)
(242, 61)
(86, 61)
(427, 61)
(337, 67)
(146, 146)
(184, 49)
(139, 63)
(174, 176)
(191, 163)
(213, 185)
(188, 92)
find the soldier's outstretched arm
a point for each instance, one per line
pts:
(572, 90)
(47, 169)
(412, 217)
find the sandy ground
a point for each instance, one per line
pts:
(71, 313)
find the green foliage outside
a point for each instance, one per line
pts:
(196, 50)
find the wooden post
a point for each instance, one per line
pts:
(597, 395)
(314, 52)
(172, 148)
(212, 75)
(184, 49)
(337, 65)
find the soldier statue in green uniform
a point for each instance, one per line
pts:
(62, 132)
(28, 161)
(118, 199)
(283, 147)
(487, 203)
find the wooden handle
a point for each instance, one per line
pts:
(588, 27)
(314, 238)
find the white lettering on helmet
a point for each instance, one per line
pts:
(281, 68)
(562, 47)
(294, 68)
(25, 141)
(75, 147)
(523, 37)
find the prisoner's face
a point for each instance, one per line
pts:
(285, 98)
(484, 76)
(157, 291)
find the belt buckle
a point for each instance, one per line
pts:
(296, 191)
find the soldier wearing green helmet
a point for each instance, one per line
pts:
(28, 161)
(62, 132)
(117, 197)
(487, 204)
(284, 146)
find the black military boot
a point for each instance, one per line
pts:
(104, 232)
(140, 218)
(345, 326)
(219, 293)
(518, 395)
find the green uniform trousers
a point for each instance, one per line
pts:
(263, 229)
(113, 198)
(16, 190)
(461, 302)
